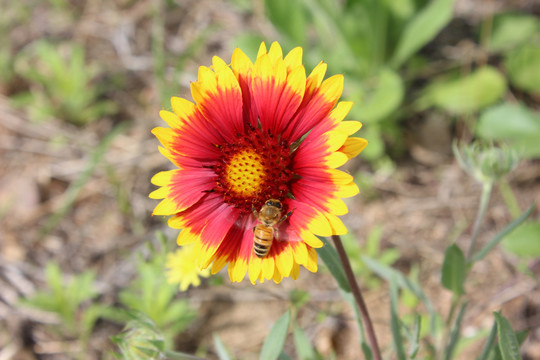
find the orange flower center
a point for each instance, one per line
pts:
(253, 169)
(245, 172)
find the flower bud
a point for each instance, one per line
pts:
(487, 163)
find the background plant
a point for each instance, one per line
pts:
(76, 196)
(61, 84)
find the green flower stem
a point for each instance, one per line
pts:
(484, 201)
(372, 338)
(451, 321)
(448, 325)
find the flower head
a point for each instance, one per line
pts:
(183, 269)
(487, 163)
(257, 132)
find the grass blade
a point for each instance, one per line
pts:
(489, 343)
(387, 272)
(422, 28)
(501, 235)
(221, 350)
(330, 258)
(455, 334)
(303, 346)
(276, 338)
(395, 322)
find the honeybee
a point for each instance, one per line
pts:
(269, 219)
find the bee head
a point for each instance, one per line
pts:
(274, 202)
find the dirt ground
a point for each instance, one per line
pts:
(425, 204)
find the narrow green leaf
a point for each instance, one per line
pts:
(508, 343)
(303, 346)
(169, 354)
(395, 322)
(366, 350)
(386, 272)
(330, 258)
(284, 356)
(414, 339)
(422, 29)
(501, 235)
(455, 333)
(349, 297)
(453, 270)
(490, 342)
(221, 350)
(273, 344)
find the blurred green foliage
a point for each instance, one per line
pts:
(66, 298)
(61, 84)
(465, 94)
(75, 302)
(371, 249)
(368, 41)
(152, 295)
(141, 339)
(514, 124)
(524, 241)
(377, 45)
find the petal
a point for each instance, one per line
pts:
(349, 127)
(353, 146)
(312, 260)
(276, 94)
(254, 270)
(219, 99)
(268, 267)
(338, 228)
(307, 217)
(284, 261)
(312, 240)
(348, 190)
(293, 59)
(275, 53)
(162, 178)
(295, 272)
(315, 108)
(179, 197)
(242, 68)
(277, 276)
(336, 159)
(219, 263)
(262, 50)
(186, 237)
(337, 206)
(239, 270)
(300, 253)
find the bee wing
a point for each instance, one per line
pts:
(286, 233)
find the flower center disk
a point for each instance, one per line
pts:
(253, 169)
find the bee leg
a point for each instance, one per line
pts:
(285, 217)
(255, 213)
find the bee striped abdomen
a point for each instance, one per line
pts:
(262, 241)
